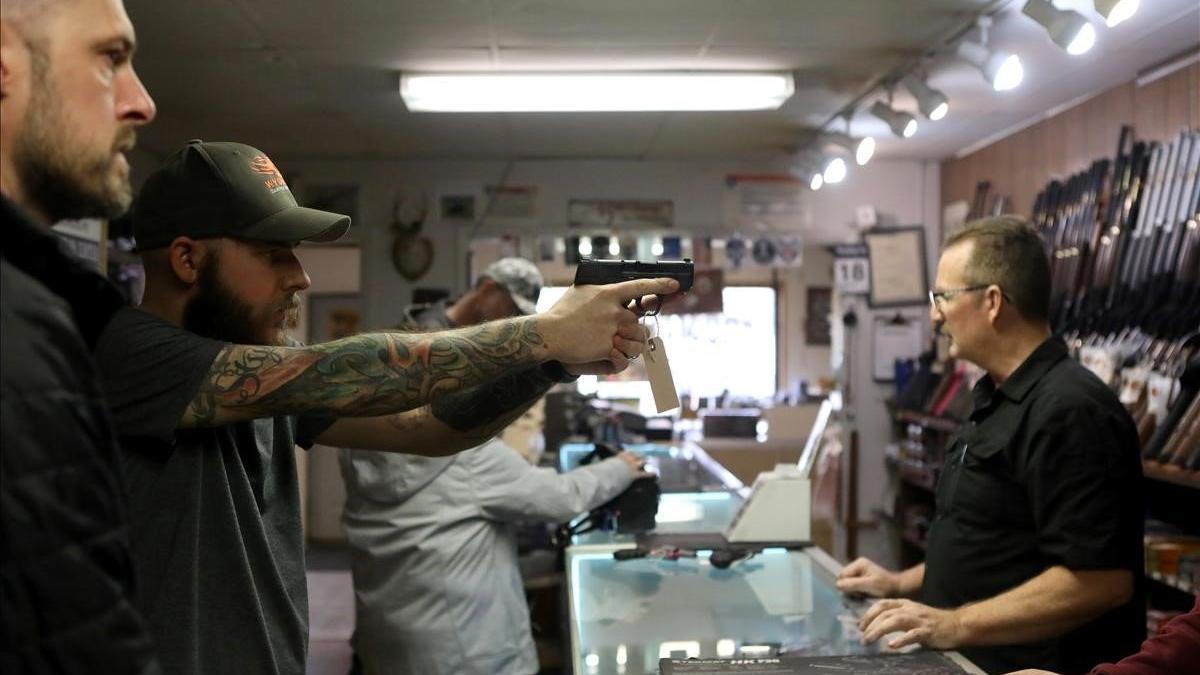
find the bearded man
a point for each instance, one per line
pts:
(210, 398)
(70, 104)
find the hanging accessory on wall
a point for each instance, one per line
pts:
(764, 251)
(789, 250)
(735, 250)
(412, 252)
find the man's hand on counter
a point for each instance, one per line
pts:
(867, 578)
(919, 624)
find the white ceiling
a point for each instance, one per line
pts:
(306, 79)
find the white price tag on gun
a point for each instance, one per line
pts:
(658, 369)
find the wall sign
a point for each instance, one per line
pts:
(621, 214)
(851, 268)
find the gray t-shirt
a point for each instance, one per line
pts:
(214, 512)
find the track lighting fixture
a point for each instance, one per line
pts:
(835, 171)
(1003, 70)
(1067, 28)
(902, 124)
(931, 102)
(1115, 11)
(862, 148)
(809, 167)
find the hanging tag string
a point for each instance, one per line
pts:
(646, 328)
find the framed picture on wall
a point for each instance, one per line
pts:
(819, 305)
(898, 270)
(333, 315)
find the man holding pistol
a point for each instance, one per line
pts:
(209, 399)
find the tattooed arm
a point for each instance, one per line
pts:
(362, 376)
(385, 373)
(454, 422)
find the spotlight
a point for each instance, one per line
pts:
(863, 148)
(614, 247)
(835, 171)
(1115, 11)
(585, 246)
(808, 167)
(902, 124)
(931, 102)
(1068, 29)
(1003, 70)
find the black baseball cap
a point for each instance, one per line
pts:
(221, 189)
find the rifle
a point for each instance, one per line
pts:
(1131, 209)
(1168, 268)
(1108, 244)
(1126, 304)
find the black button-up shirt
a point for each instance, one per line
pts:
(1045, 472)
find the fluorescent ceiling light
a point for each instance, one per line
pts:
(863, 148)
(1115, 11)
(901, 123)
(595, 91)
(931, 102)
(1003, 70)
(1068, 29)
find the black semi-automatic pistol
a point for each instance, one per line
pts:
(599, 272)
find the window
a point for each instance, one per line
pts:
(709, 353)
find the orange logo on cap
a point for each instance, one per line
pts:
(263, 164)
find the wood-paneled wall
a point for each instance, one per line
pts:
(1021, 164)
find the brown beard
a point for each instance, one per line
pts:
(216, 312)
(60, 181)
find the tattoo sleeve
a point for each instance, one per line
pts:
(365, 375)
(486, 410)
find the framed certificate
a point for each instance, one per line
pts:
(898, 272)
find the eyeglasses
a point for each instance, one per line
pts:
(936, 298)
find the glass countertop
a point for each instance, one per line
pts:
(690, 512)
(680, 468)
(626, 615)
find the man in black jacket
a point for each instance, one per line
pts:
(69, 106)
